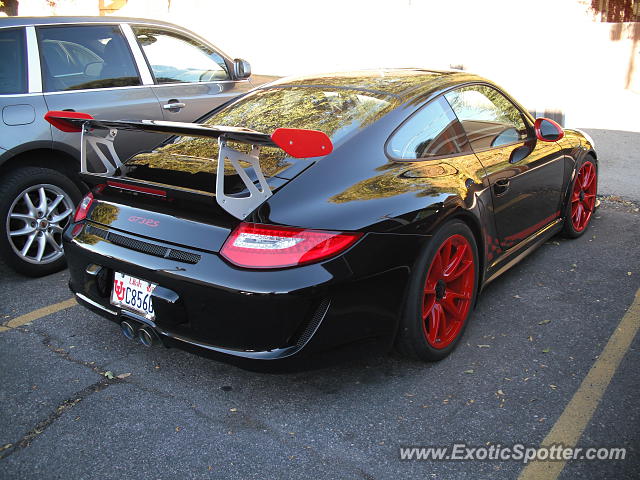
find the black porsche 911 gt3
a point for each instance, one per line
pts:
(318, 212)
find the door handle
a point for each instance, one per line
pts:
(174, 104)
(501, 186)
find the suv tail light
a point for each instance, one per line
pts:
(254, 245)
(83, 207)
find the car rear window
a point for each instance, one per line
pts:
(85, 57)
(13, 72)
(336, 112)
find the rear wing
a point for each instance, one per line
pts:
(297, 143)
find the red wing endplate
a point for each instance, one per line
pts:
(301, 143)
(67, 121)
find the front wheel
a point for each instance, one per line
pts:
(36, 204)
(582, 202)
(441, 294)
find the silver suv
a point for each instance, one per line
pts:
(111, 68)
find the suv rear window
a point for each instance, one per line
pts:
(84, 57)
(13, 74)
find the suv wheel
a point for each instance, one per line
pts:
(36, 204)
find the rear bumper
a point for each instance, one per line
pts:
(263, 315)
(171, 338)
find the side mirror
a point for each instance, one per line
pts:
(241, 68)
(547, 130)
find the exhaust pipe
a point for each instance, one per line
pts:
(147, 337)
(128, 329)
(141, 333)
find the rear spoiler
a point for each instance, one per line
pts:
(297, 143)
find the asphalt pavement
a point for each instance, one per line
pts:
(80, 401)
(620, 154)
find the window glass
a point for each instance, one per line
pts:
(337, 112)
(13, 75)
(432, 132)
(75, 58)
(177, 59)
(487, 116)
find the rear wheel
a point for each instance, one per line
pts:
(582, 202)
(441, 294)
(36, 204)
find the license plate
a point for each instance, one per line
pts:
(132, 294)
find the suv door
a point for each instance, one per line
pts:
(90, 68)
(525, 175)
(35, 202)
(191, 77)
(22, 123)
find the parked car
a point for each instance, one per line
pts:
(337, 209)
(110, 67)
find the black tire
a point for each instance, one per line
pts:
(411, 340)
(12, 189)
(569, 229)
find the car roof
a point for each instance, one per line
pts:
(404, 84)
(24, 21)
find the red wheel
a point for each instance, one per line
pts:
(441, 293)
(583, 200)
(448, 290)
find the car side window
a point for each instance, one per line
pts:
(174, 58)
(434, 131)
(13, 72)
(488, 117)
(83, 57)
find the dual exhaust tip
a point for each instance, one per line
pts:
(142, 334)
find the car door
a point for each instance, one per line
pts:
(91, 69)
(525, 175)
(191, 77)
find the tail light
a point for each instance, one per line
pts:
(83, 207)
(253, 245)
